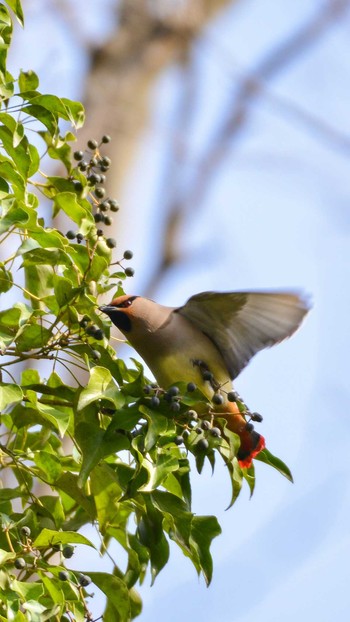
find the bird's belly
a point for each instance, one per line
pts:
(181, 364)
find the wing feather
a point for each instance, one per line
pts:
(242, 323)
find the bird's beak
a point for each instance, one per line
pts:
(107, 309)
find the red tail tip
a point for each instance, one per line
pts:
(247, 462)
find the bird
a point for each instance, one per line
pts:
(208, 341)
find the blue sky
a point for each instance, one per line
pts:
(273, 212)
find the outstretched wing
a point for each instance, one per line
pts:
(242, 323)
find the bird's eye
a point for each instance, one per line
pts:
(126, 303)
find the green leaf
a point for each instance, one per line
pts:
(60, 418)
(48, 537)
(157, 473)
(9, 394)
(203, 530)
(28, 591)
(6, 280)
(15, 216)
(31, 337)
(107, 492)
(100, 387)
(5, 556)
(151, 535)
(118, 598)
(157, 425)
(95, 444)
(28, 81)
(16, 7)
(266, 456)
(49, 464)
(76, 209)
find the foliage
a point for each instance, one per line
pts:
(84, 439)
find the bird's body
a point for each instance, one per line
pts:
(214, 333)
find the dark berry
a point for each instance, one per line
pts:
(83, 165)
(79, 237)
(111, 242)
(113, 205)
(129, 271)
(93, 162)
(155, 401)
(207, 375)
(185, 434)
(216, 432)
(68, 551)
(84, 321)
(191, 387)
(94, 179)
(178, 440)
(198, 430)
(70, 235)
(218, 399)
(147, 389)
(25, 531)
(19, 563)
(98, 217)
(98, 334)
(205, 425)
(99, 232)
(249, 427)
(107, 220)
(175, 407)
(106, 161)
(203, 444)
(104, 207)
(232, 396)
(78, 186)
(257, 417)
(92, 144)
(100, 192)
(78, 155)
(106, 139)
(128, 255)
(172, 391)
(63, 575)
(102, 178)
(84, 580)
(104, 168)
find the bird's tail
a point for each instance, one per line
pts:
(251, 442)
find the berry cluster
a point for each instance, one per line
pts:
(190, 420)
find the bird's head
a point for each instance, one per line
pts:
(134, 315)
